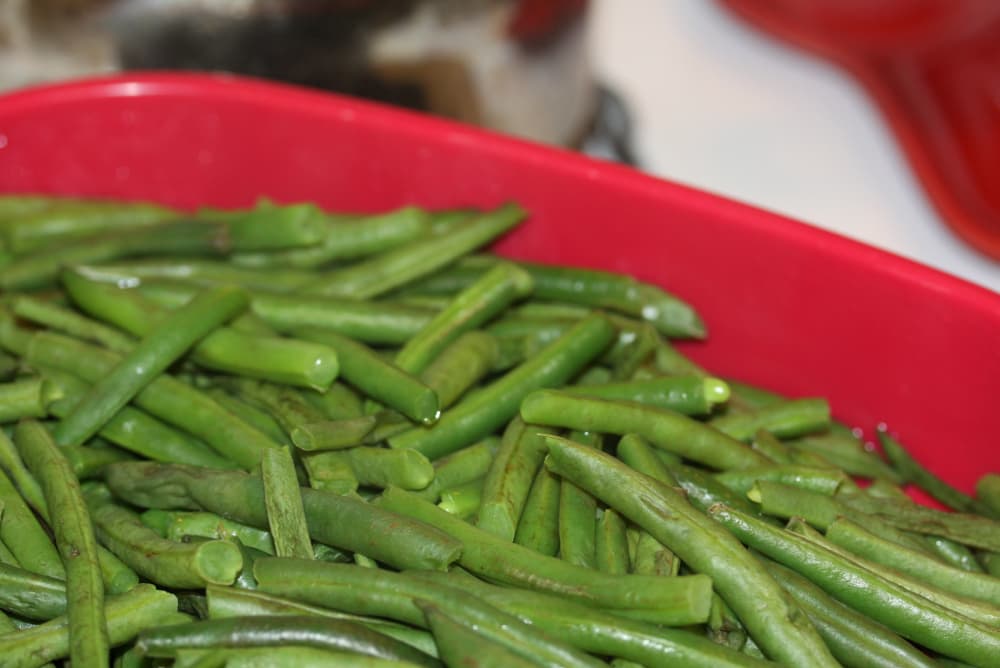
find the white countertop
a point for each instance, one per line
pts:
(722, 107)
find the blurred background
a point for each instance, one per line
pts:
(692, 90)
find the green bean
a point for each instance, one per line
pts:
(286, 405)
(285, 516)
(381, 467)
(988, 492)
(22, 479)
(62, 220)
(225, 602)
(636, 451)
(462, 466)
(333, 434)
(340, 521)
(766, 444)
(89, 461)
(74, 538)
(382, 273)
(509, 479)
(28, 397)
(661, 427)
(127, 614)
(463, 500)
(257, 418)
(952, 553)
(137, 431)
(911, 471)
(704, 546)
(24, 536)
(469, 309)
(611, 544)
(976, 611)
(262, 630)
(821, 480)
(462, 645)
(155, 275)
(845, 451)
(615, 292)
(72, 323)
(485, 410)
(690, 395)
(460, 365)
(164, 562)
(153, 355)
(538, 526)
(673, 601)
(653, 557)
(13, 207)
(329, 473)
(855, 538)
(577, 519)
(30, 595)
(854, 639)
(395, 596)
(905, 612)
(337, 402)
(41, 267)
(965, 528)
(268, 226)
(381, 380)
(225, 349)
(350, 239)
(787, 419)
(374, 323)
(179, 525)
(600, 633)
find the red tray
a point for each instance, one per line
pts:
(789, 306)
(933, 67)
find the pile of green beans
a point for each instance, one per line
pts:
(282, 436)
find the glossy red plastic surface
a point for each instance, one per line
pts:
(933, 67)
(788, 306)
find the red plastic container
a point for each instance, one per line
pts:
(788, 306)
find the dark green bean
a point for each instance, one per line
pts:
(508, 481)
(380, 380)
(277, 630)
(285, 517)
(742, 582)
(988, 491)
(41, 267)
(472, 307)
(538, 527)
(672, 601)
(137, 431)
(27, 397)
(333, 434)
(484, 411)
(462, 466)
(381, 467)
(854, 639)
(911, 471)
(396, 267)
(462, 364)
(30, 595)
(74, 537)
(905, 612)
(128, 614)
(178, 525)
(577, 520)
(787, 419)
(178, 332)
(164, 562)
(690, 395)
(72, 323)
(462, 645)
(395, 596)
(854, 537)
(340, 521)
(24, 536)
(844, 450)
